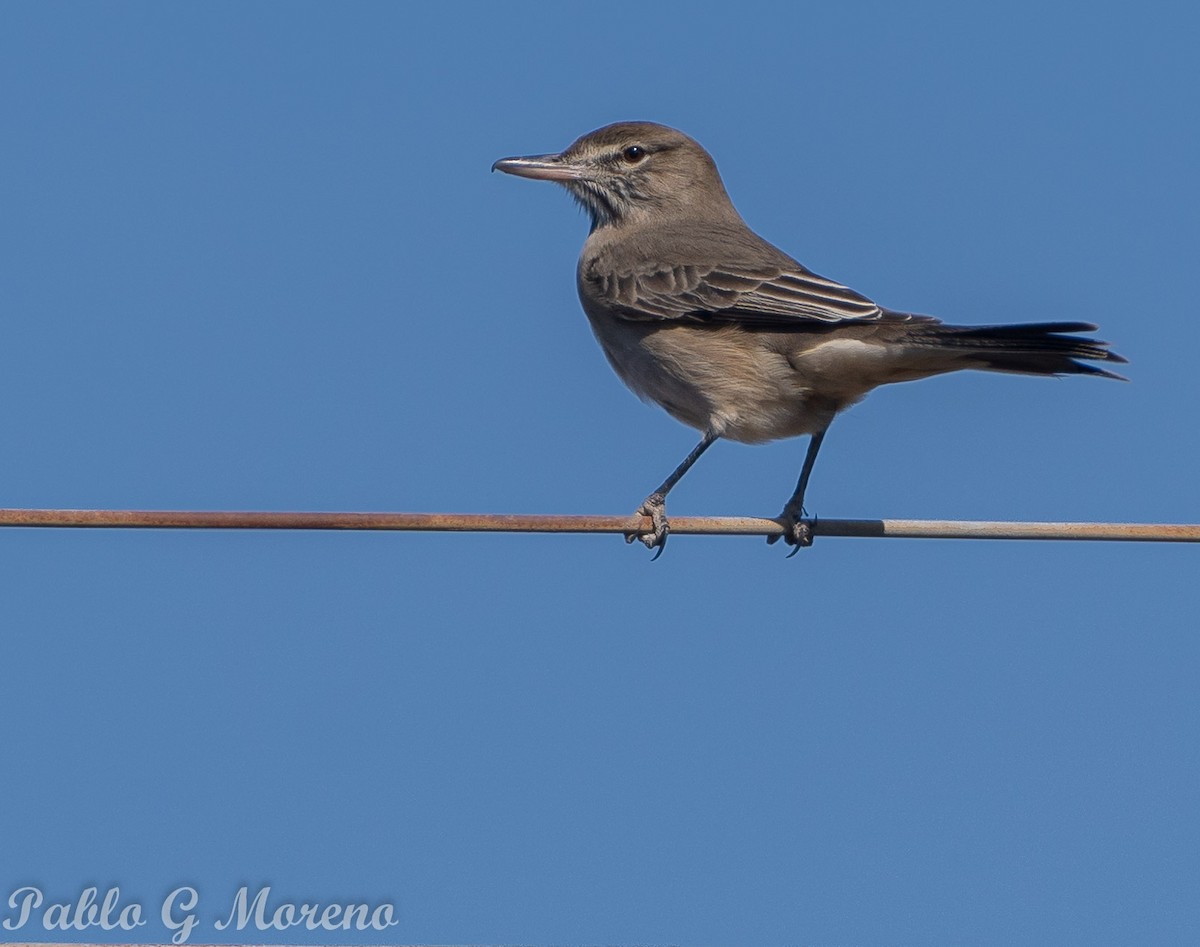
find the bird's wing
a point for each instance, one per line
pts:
(753, 296)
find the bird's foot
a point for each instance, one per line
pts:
(797, 531)
(654, 507)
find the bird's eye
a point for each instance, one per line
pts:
(634, 153)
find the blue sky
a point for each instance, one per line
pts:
(252, 258)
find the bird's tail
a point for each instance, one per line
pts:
(1036, 348)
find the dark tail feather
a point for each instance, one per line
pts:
(1037, 348)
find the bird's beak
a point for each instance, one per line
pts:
(541, 167)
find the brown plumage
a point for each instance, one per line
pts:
(733, 337)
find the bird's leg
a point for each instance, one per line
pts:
(655, 505)
(796, 532)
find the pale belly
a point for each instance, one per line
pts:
(745, 386)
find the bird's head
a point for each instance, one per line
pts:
(624, 172)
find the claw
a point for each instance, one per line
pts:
(655, 508)
(796, 531)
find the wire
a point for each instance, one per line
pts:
(521, 523)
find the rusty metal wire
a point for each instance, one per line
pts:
(520, 523)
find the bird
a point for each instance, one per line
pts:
(697, 313)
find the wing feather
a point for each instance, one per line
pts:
(752, 296)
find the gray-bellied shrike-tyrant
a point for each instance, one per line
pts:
(698, 313)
